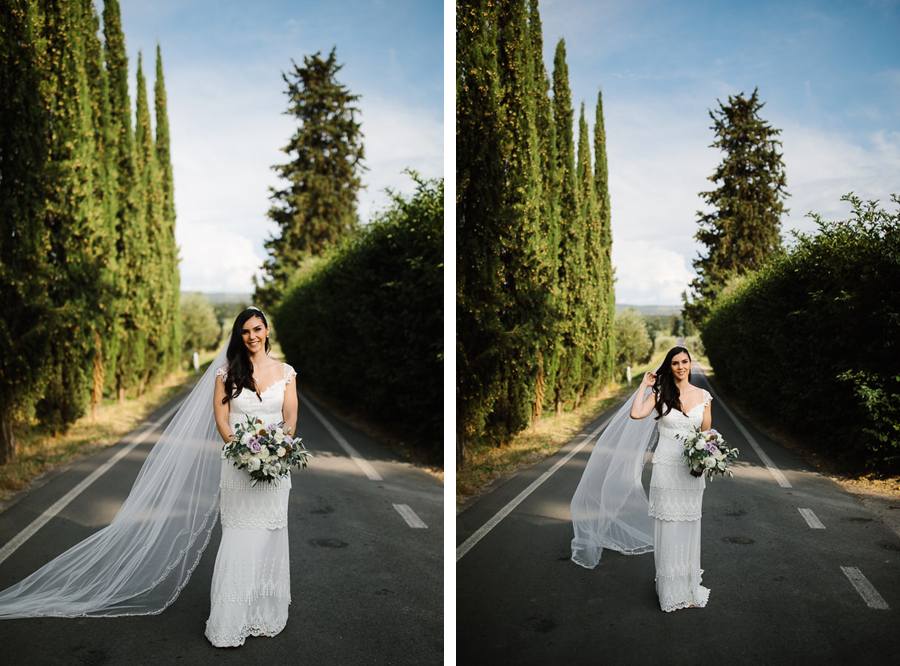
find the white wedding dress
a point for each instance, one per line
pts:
(251, 587)
(676, 501)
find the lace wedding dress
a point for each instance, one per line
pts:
(251, 582)
(676, 500)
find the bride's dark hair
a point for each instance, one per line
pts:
(240, 368)
(667, 394)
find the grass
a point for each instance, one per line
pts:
(37, 452)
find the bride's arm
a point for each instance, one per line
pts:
(642, 406)
(707, 415)
(289, 408)
(220, 411)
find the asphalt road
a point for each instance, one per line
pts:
(367, 588)
(779, 592)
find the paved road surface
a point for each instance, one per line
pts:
(367, 587)
(779, 592)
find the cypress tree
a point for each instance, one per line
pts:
(479, 201)
(317, 208)
(590, 331)
(548, 216)
(743, 230)
(607, 286)
(166, 227)
(24, 269)
(130, 233)
(105, 178)
(571, 250)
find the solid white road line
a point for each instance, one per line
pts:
(477, 536)
(811, 519)
(361, 462)
(410, 516)
(767, 461)
(62, 502)
(866, 590)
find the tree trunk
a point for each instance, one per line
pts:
(7, 441)
(461, 454)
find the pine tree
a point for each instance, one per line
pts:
(317, 207)
(608, 293)
(743, 231)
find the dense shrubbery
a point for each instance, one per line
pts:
(364, 324)
(200, 329)
(813, 339)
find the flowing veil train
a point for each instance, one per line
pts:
(140, 562)
(610, 506)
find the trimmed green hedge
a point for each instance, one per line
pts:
(813, 338)
(364, 324)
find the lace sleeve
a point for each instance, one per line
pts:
(707, 397)
(221, 372)
(289, 374)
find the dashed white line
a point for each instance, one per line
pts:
(410, 516)
(361, 462)
(478, 535)
(13, 544)
(866, 590)
(811, 519)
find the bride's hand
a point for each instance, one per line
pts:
(649, 379)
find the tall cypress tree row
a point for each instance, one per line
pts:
(531, 275)
(607, 284)
(69, 216)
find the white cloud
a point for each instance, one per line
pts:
(216, 260)
(648, 273)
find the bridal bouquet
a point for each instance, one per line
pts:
(708, 452)
(266, 451)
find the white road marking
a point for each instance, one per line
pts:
(866, 590)
(477, 536)
(811, 519)
(410, 516)
(13, 544)
(361, 462)
(767, 461)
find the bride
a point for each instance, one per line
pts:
(141, 561)
(610, 508)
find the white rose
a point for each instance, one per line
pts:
(280, 452)
(699, 446)
(279, 434)
(246, 438)
(709, 462)
(253, 463)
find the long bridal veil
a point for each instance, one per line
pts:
(609, 508)
(139, 563)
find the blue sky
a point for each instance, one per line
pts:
(828, 72)
(223, 62)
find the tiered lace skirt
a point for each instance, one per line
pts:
(251, 583)
(676, 502)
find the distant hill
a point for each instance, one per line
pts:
(650, 310)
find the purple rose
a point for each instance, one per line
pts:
(287, 439)
(272, 427)
(253, 445)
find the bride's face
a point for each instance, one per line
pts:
(254, 334)
(681, 366)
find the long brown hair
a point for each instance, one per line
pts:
(667, 394)
(240, 368)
